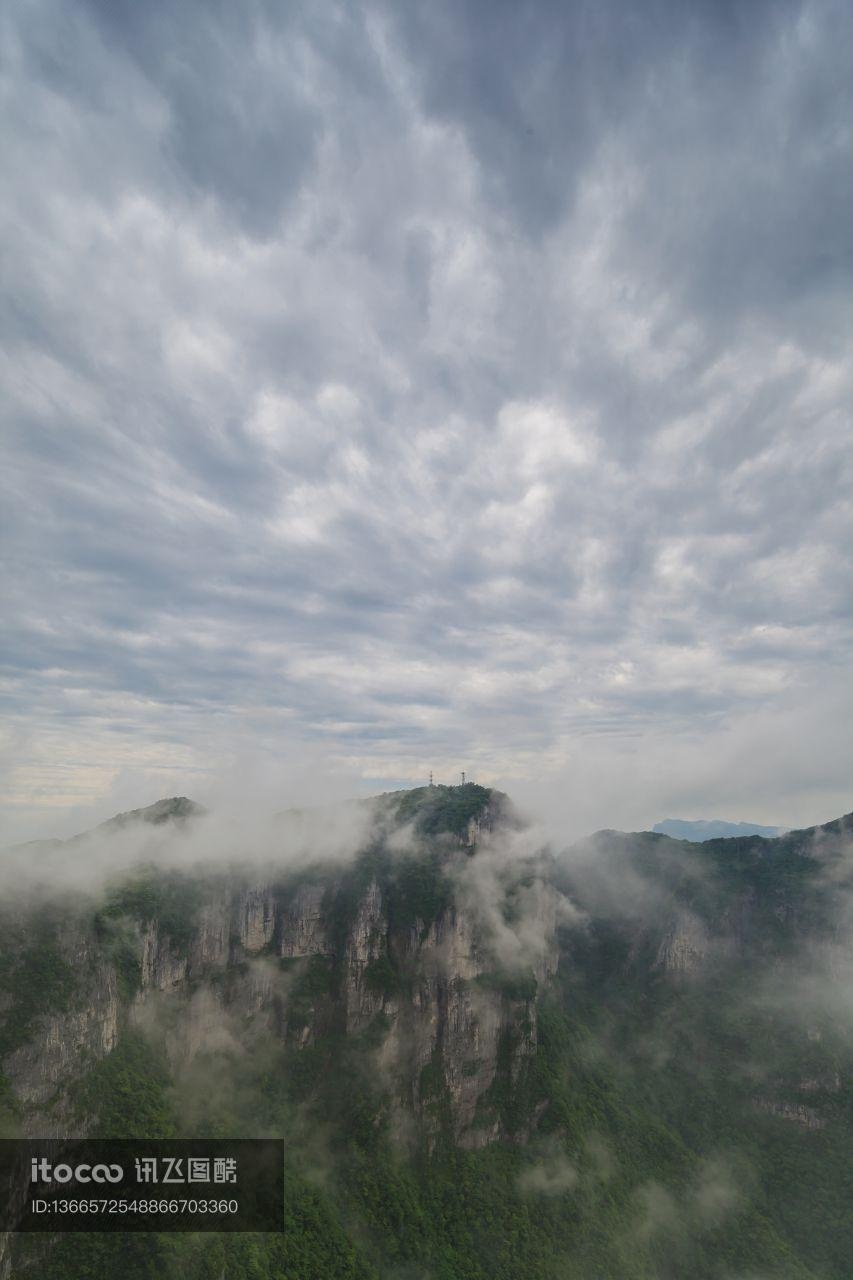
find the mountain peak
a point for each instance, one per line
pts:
(170, 809)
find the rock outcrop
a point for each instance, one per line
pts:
(238, 962)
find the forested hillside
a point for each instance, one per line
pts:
(487, 1058)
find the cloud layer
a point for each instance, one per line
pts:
(451, 386)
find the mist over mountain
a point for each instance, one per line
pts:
(487, 1055)
(682, 829)
(392, 390)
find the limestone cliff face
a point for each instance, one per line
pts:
(256, 918)
(303, 929)
(685, 945)
(161, 968)
(460, 1019)
(364, 943)
(450, 1023)
(229, 922)
(445, 1019)
(431, 986)
(61, 1040)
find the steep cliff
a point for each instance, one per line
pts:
(380, 941)
(632, 1059)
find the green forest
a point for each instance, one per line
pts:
(633, 1142)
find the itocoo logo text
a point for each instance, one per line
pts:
(44, 1171)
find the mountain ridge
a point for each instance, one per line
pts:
(710, 829)
(464, 1028)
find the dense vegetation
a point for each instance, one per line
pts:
(610, 1186)
(633, 1145)
(35, 975)
(170, 898)
(439, 809)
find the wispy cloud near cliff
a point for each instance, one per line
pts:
(439, 386)
(263, 845)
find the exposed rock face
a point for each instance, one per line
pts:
(210, 945)
(209, 1018)
(456, 1022)
(365, 941)
(303, 925)
(161, 967)
(449, 1022)
(685, 945)
(423, 963)
(256, 916)
(245, 918)
(231, 971)
(39, 1070)
(796, 1112)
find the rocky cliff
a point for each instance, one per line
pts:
(392, 940)
(476, 1050)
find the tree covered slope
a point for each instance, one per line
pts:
(629, 1059)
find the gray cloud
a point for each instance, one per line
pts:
(455, 386)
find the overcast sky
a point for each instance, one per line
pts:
(410, 386)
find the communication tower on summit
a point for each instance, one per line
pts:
(463, 777)
(430, 778)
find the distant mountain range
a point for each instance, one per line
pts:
(681, 829)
